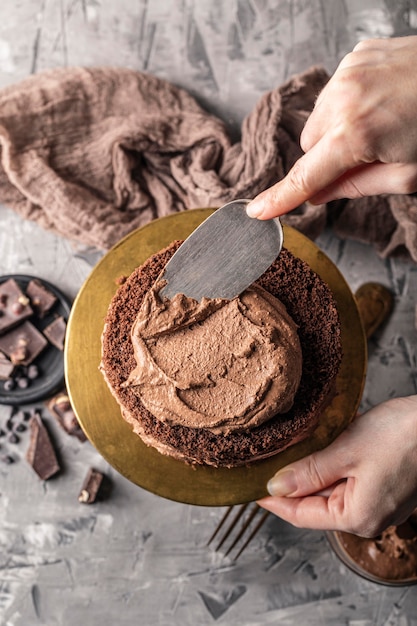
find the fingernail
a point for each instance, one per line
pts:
(255, 208)
(284, 483)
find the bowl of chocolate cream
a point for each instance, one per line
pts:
(388, 559)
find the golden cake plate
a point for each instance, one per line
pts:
(99, 414)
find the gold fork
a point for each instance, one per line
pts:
(374, 303)
(247, 525)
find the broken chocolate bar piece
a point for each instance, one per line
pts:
(23, 344)
(61, 409)
(91, 486)
(6, 367)
(14, 305)
(41, 454)
(41, 298)
(55, 332)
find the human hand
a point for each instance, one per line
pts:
(363, 482)
(361, 138)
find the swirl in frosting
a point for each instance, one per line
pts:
(222, 365)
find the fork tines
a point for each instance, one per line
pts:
(235, 531)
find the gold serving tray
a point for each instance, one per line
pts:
(99, 414)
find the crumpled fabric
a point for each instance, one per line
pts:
(93, 153)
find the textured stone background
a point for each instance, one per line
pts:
(136, 558)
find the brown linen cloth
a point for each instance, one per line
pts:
(93, 153)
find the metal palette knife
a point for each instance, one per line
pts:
(224, 255)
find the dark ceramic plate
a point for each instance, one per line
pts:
(51, 361)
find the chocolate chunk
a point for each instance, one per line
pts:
(6, 367)
(23, 344)
(61, 409)
(55, 332)
(91, 487)
(9, 384)
(32, 372)
(23, 382)
(41, 454)
(41, 298)
(14, 305)
(7, 459)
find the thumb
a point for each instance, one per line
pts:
(311, 475)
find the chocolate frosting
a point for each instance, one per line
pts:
(221, 365)
(390, 556)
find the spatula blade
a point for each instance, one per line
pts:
(224, 255)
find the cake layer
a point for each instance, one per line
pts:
(309, 302)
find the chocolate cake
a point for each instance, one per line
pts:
(309, 303)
